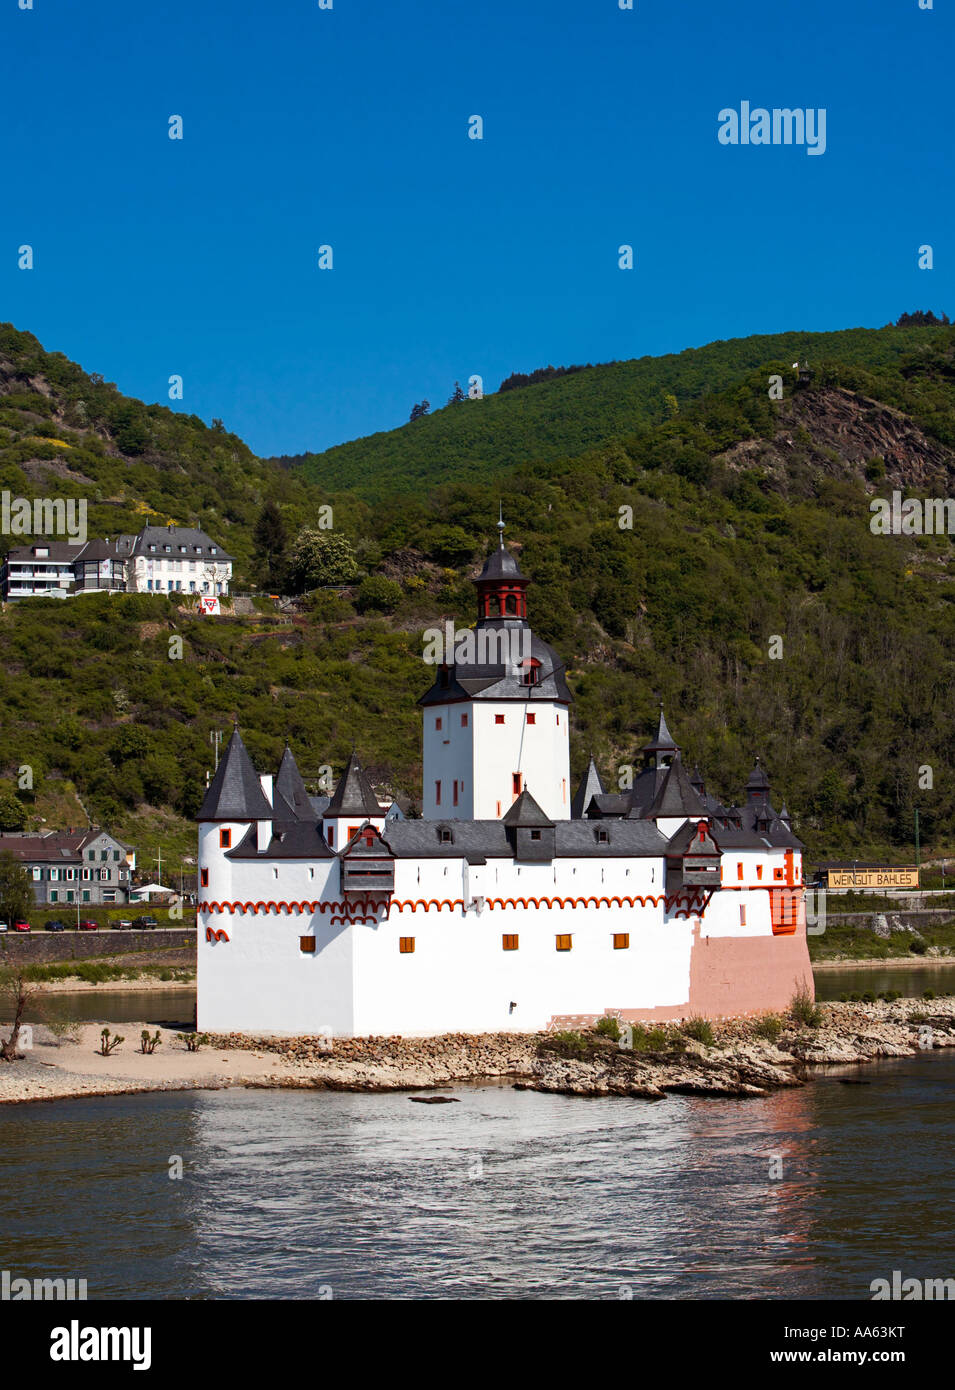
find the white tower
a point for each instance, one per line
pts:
(496, 720)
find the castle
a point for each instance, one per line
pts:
(511, 904)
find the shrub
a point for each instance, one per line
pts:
(929, 994)
(149, 1044)
(918, 946)
(700, 1029)
(769, 1027)
(608, 1028)
(193, 1041)
(109, 1043)
(802, 1009)
(378, 594)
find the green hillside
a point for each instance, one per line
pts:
(563, 417)
(750, 540)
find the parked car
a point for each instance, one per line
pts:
(124, 924)
(22, 926)
(56, 926)
(87, 925)
(4, 926)
(144, 923)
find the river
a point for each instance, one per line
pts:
(291, 1194)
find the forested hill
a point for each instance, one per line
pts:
(715, 552)
(561, 417)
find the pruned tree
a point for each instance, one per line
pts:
(15, 988)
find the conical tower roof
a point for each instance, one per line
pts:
(590, 786)
(664, 741)
(354, 795)
(676, 796)
(235, 792)
(290, 786)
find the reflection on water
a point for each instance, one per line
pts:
(911, 980)
(504, 1194)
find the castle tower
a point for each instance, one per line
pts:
(353, 802)
(496, 718)
(234, 802)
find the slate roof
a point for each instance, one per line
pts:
(176, 536)
(477, 841)
(499, 681)
(590, 786)
(294, 839)
(354, 795)
(676, 796)
(525, 812)
(664, 741)
(291, 788)
(235, 792)
(500, 564)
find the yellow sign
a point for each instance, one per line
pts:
(873, 878)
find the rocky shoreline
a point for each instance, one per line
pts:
(739, 1059)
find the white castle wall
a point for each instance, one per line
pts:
(540, 752)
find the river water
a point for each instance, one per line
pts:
(504, 1194)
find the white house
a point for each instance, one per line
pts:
(178, 559)
(511, 905)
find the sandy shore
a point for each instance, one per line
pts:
(890, 963)
(137, 983)
(738, 1063)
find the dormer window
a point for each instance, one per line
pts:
(212, 550)
(535, 834)
(182, 550)
(530, 672)
(167, 549)
(602, 837)
(445, 836)
(152, 550)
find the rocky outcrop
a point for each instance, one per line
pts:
(739, 1062)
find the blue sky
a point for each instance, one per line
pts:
(452, 256)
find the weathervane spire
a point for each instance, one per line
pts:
(500, 523)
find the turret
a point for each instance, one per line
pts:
(234, 802)
(352, 804)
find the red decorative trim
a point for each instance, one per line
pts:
(213, 935)
(367, 909)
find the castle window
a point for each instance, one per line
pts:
(204, 878)
(602, 837)
(777, 873)
(530, 672)
(535, 834)
(437, 793)
(621, 941)
(759, 870)
(306, 943)
(445, 835)
(498, 719)
(331, 835)
(464, 721)
(406, 945)
(454, 793)
(516, 783)
(532, 719)
(225, 839)
(563, 943)
(509, 943)
(510, 605)
(742, 915)
(437, 724)
(739, 870)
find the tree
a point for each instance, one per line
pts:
(457, 394)
(319, 558)
(13, 815)
(16, 888)
(16, 989)
(270, 544)
(418, 410)
(378, 594)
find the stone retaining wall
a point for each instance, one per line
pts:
(45, 947)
